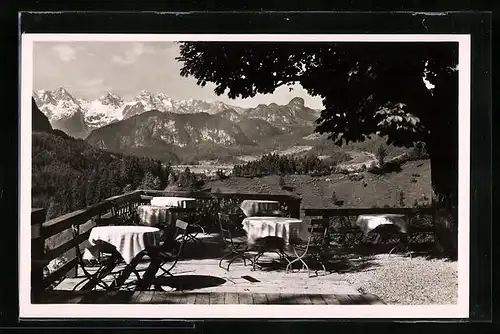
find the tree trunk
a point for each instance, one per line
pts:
(443, 150)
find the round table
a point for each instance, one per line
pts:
(129, 241)
(368, 223)
(181, 202)
(256, 207)
(281, 227)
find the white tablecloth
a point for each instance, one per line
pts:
(128, 240)
(368, 223)
(285, 228)
(254, 207)
(152, 215)
(181, 202)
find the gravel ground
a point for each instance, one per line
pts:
(404, 281)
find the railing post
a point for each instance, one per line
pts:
(295, 208)
(37, 250)
(71, 253)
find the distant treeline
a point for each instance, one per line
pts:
(274, 164)
(68, 174)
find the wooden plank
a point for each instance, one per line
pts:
(302, 300)
(216, 298)
(59, 297)
(78, 217)
(62, 223)
(357, 299)
(190, 298)
(120, 297)
(141, 297)
(182, 297)
(37, 216)
(231, 298)
(317, 300)
(259, 298)
(331, 299)
(160, 297)
(344, 299)
(54, 276)
(256, 196)
(54, 253)
(202, 298)
(245, 298)
(37, 249)
(191, 194)
(371, 299)
(287, 299)
(91, 297)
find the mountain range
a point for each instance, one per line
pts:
(157, 125)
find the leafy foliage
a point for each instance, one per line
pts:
(407, 91)
(366, 88)
(69, 174)
(186, 180)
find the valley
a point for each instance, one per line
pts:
(208, 137)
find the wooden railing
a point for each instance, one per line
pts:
(43, 230)
(102, 214)
(347, 225)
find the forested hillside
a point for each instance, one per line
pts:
(69, 174)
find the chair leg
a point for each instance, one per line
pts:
(225, 256)
(166, 272)
(236, 255)
(232, 260)
(255, 259)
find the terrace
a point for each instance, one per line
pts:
(197, 278)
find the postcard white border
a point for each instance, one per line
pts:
(28, 310)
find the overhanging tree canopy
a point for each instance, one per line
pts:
(366, 88)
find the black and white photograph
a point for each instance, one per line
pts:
(241, 175)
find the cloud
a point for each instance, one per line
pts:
(92, 82)
(64, 52)
(132, 55)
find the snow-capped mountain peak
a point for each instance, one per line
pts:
(111, 99)
(59, 105)
(62, 94)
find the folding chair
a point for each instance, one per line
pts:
(194, 226)
(266, 245)
(236, 246)
(105, 265)
(170, 250)
(390, 236)
(314, 248)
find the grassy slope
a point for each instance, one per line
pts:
(316, 192)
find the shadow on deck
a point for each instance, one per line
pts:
(198, 279)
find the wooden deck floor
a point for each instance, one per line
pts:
(198, 279)
(160, 297)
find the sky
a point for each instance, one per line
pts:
(91, 69)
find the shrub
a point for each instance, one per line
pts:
(281, 182)
(334, 196)
(220, 174)
(401, 199)
(418, 152)
(381, 154)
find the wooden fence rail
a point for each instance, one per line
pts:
(366, 211)
(123, 204)
(348, 230)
